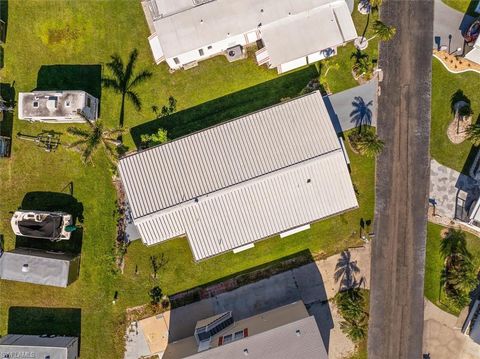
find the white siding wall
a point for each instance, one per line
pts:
(302, 61)
(217, 48)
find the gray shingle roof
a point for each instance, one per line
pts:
(279, 343)
(33, 346)
(41, 267)
(241, 181)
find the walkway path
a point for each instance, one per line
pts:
(342, 106)
(444, 186)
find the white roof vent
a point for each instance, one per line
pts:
(52, 103)
(245, 351)
(25, 268)
(297, 332)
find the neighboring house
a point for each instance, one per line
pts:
(291, 34)
(230, 185)
(471, 327)
(474, 54)
(38, 347)
(284, 332)
(39, 267)
(57, 106)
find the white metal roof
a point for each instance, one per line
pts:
(191, 28)
(33, 346)
(474, 54)
(308, 32)
(241, 181)
(300, 339)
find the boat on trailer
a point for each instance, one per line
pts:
(55, 226)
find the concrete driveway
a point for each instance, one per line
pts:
(448, 25)
(344, 106)
(443, 339)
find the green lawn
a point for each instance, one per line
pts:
(82, 35)
(434, 266)
(465, 6)
(444, 85)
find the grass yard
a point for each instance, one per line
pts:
(67, 49)
(444, 85)
(434, 266)
(465, 6)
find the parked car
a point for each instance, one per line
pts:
(55, 226)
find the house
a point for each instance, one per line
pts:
(290, 34)
(474, 54)
(39, 267)
(41, 347)
(271, 172)
(283, 332)
(57, 106)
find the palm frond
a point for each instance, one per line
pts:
(111, 84)
(133, 96)
(141, 77)
(116, 66)
(78, 132)
(130, 66)
(78, 144)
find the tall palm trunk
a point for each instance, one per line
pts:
(122, 111)
(368, 21)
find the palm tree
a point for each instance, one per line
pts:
(473, 134)
(124, 81)
(345, 271)
(454, 244)
(355, 330)
(362, 64)
(361, 114)
(383, 31)
(374, 5)
(369, 144)
(94, 137)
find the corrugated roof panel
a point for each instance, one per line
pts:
(249, 176)
(258, 143)
(265, 206)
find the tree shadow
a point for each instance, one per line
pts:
(228, 107)
(346, 272)
(71, 77)
(457, 100)
(3, 20)
(54, 201)
(361, 114)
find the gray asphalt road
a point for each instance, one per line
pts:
(402, 179)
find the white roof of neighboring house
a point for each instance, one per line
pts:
(185, 28)
(19, 346)
(308, 32)
(241, 181)
(300, 339)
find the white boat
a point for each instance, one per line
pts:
(40, 224)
